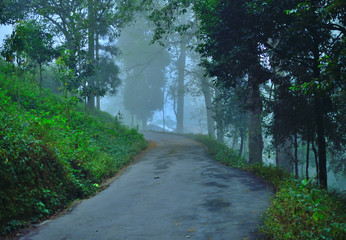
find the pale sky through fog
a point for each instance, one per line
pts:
(4, 30)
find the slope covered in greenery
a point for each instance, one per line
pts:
(50, 152)
(299, 209)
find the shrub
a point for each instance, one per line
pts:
(302, 211)
(48, 157)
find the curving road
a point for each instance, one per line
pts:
(175, 191)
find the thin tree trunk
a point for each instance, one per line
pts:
(219, 125)
(41, 80)
(284, 155)
(307, 158)
(18, 90)
(316, 159)
(91, 51)
(181, 87)
(241, 142)
(319, 118)
(97, 42)
(255, 120)
(235, 138)
(296, 155)
(207, 99)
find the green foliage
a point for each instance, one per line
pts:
(48, 159)
(302, 211)
(299, 209)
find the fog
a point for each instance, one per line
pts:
(152, 80)
(147, 98)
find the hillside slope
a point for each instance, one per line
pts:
(50, 153)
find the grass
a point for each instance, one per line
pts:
(50, 154)
(299, 209)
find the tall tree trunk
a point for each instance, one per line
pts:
(181, 87)
(235, 138)
(255, 120)
(18, 86)
(207, 98)
(284, 155)
(321, 142)
(41, 80)
(97, 42)
(316, 159)
(307, 158)
(296, 155)
(241, 142)
(319, 118)
(91, 51)
(219, 125)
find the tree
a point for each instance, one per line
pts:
(38, 45)
(231, 43)
(13, 10)
(304, 34)
(145, 80)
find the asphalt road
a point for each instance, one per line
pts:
(174, 191)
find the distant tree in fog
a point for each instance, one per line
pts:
(145, 66)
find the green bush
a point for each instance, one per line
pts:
(50, 156)
(301, 211)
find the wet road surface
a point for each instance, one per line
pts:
(174, 191)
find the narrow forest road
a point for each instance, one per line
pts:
(175, 191)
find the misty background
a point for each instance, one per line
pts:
(161, 86)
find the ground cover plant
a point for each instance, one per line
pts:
(49, 156)
(299, 209)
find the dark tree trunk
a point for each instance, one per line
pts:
(219, 125)
(91, 51)
(98, 97)
(316, 159)
(18, 90)
(296, 155)
(220, 133)
(207, 98)
(241, 142)
(181, 88)
(284, 155)
(98, 102)
(255, 120)
(319, 118)
(307, 158)
(41, 80)
(321, 142)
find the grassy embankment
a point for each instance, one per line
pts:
(50, 154)
(299, 210)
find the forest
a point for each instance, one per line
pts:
(264, 80)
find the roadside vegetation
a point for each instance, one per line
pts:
(299, 209)
(51, 154)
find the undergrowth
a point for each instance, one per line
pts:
(299, 209)
(50, 156)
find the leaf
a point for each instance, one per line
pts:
(317, 216)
